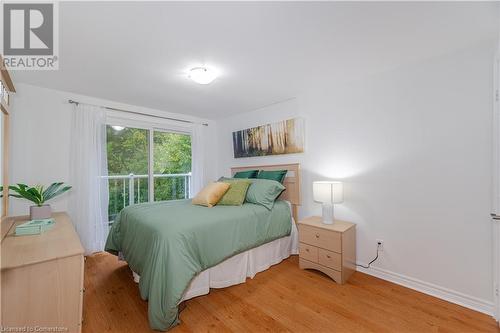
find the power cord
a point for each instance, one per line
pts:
(376, 257)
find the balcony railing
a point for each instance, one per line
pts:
(125, 190)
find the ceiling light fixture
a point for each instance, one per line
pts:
(202, 75)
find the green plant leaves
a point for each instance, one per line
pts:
(54, 190)
(37, 194)
(25, 192)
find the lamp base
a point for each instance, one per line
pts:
(327, 211)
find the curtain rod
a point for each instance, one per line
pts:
(70, 101)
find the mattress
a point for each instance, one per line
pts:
(170, 243)
(238, 268)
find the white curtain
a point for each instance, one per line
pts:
(88, 206)
(198, 175)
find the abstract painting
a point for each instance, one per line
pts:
(283, 137)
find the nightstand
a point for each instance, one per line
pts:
(329, 248)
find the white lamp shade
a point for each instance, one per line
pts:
(328, 192)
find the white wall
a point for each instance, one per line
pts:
(414, 148)
(40, 138)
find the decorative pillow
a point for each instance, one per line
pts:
(246, 174)
(237, 192)
(277, 175)
(264, 192)
(211, 194)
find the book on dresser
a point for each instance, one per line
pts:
(329, 248)
(42, 277)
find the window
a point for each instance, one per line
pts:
(146, 165)
(172, 165)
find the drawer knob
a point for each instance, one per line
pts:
(328, 256)
(307, 250)
(317, 235)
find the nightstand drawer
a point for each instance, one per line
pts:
(308, 252)
(325, 239)
(330, 259)
(336, 275)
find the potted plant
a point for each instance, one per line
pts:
(39, 195)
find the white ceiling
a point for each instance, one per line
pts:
(136, 53)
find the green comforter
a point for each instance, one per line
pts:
(169, 243)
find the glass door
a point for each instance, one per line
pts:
(172, 165)
(128, 167)
(146, 165)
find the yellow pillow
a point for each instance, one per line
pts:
(211, 194)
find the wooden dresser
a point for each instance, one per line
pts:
(329, 248)
(42, 278)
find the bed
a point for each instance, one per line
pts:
(180, 250)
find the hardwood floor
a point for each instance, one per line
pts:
(283, 298)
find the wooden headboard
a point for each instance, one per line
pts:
(291, 182)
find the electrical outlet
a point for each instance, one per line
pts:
(380, 243)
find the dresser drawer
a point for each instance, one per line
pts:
(330, 259)
(308, 252)
(325, 239)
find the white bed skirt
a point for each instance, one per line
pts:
(236, 269)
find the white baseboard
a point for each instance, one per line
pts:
(449, 295)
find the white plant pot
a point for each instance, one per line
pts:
(40, 212)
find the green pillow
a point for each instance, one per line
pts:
(277, 175)
(237, 192)
(264, 192)
(246, 174)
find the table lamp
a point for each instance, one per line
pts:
(328, 193)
